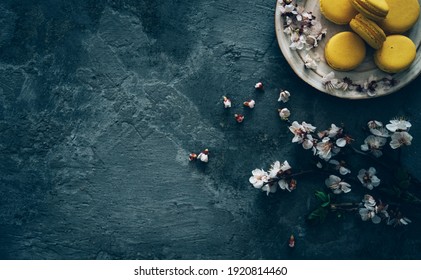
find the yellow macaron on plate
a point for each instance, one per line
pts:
(371, 78)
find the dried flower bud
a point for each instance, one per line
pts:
(227, 102)
(291, 242)
(284, 96)
(250, 103)
(192, 156)
(239, 118)
(259, 85)
(284, 113)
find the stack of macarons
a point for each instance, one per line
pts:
(371, 20)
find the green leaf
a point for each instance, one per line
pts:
(323, 197)
(318, 216)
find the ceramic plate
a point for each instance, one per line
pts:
(361, 77)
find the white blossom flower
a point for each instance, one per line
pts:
(259, 178)
(369, 210)
(374, 144)
(381, 131)
(277, 168)
(334, 130)
(298, 131)
(373, 211)
(284, 113)
(340, 167)
(284, 96)
(368, 178)
(309, 62)
(227, 102)
(369, 86)
(286, 7)
(308, 142)
(203, 156)
(337, 185)
(283, 185)
(367, 214)
(298, 41)
(308, 127)
(399, 139)
(374, 124)
(324, 149)
(377, 129)
(369, 202)
(269, 188)
(398, 125)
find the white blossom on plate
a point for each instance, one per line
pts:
(309, 62)
(368, 178)
(331, 83)
(336, 184)
(373, 144)
(286, 6)
(399, 139)
(398, 125)
(298, 41)
(284, 96)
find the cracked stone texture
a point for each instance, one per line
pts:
(101, 103)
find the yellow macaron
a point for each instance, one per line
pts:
(403, 14)
(396, 54)
(376, 10)
(368, 30)
(345, 51)
(337, 11)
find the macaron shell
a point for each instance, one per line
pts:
(368, 30)
(345, 51)
(337, 11)
(373, 9)
(403, 14)
(396, 54)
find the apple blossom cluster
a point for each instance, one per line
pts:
(325, 144)
(304, 30)
(396, 130)
(278, 176)
(377, 211)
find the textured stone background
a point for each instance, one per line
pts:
(100, 104)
